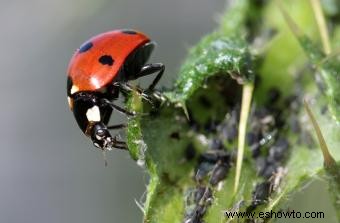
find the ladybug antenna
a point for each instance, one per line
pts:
(104, 156)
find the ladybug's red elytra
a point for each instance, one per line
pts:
(98, 72)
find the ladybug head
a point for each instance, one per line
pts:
(101, 137)
(92, 117)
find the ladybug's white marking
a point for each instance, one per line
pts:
(93, 114)
(74, 89)
(95, 82)
(69, 100)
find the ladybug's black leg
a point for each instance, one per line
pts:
(120, 147)
(119, 144)
(120, 109)
(151, 69)
(126, 88)
(120, 126)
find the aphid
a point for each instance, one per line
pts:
(260, 195)
(276, 179)
(215, 162)
(228, 128)
(217, 144)
(203, 169)
(265, 167)
(269, 169)
(253, 142)
(219, 173)
(199, 193)
(279, 150)
(202, 197)
(99, 71)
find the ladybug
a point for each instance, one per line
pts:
(99, 72)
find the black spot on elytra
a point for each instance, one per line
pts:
(85, 47)
(106, 60)
(129, 31)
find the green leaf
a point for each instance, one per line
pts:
(328, 67)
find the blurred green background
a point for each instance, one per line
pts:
(49, 171)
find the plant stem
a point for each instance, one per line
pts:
(320, 19)
(247, 93)
(328, 158)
